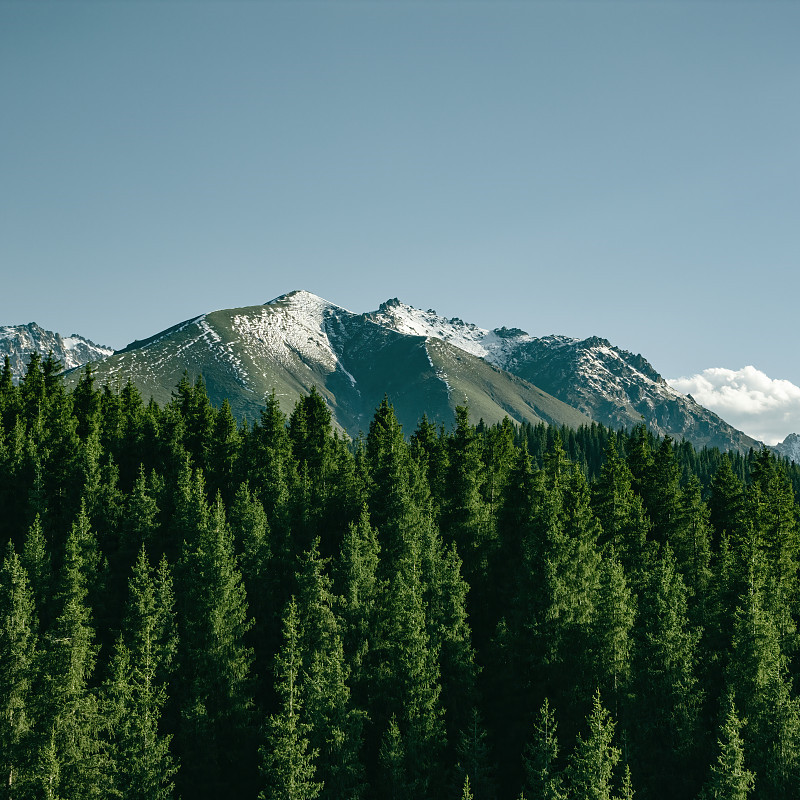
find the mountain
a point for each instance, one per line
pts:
(610, 385)
(19, 341)
(423, 362)
(789, 447)
(299, 340)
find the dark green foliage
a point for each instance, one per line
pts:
(383, 617)
(591, 767)
(667, 695)
(540, 758)
(729, 780)
(69, 761)
(17, 663)
(288, 770)
(136, 690)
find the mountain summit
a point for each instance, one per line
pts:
(425, 363)
(300, 340)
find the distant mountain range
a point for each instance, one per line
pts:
(19, 341)
(423, 362)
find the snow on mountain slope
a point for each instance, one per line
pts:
(298, 341)
(496, 346)
(294, 324)
(612, 386)
(426, 363)
(19, 341)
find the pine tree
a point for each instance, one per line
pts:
(288, 769)
(136, 690)
(393, 764)
(613, 632)
(17, 659)
(215, 665)
(729, 780)
(758, 674)
(70, 764)
(473, 758)
(592, 762)
(668, 697)
(540, 758)
(334, 725)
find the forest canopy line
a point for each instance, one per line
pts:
(193, 607)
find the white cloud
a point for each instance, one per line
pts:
(751, 401)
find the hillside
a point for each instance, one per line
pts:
(300, 340)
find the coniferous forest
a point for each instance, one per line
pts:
(193, 607)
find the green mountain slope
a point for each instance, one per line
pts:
(299, 340)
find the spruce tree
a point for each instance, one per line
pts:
(726, 503)
(136, 690)
(593, 761)
(17, 661)
(70, 764)
(224, 450)
(288, 770)
(36, 561)
(729, 780)
(758, 674)
(393, 764)
(334, 725)
(473, 758)
(543, 779)
(465, 518)
(613, 633)
(668, 695)
(216, 735)
(407, 679)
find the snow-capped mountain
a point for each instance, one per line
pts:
(299, 340)
(789, 447)
(19, 341)
(425, 363)
(610, 385)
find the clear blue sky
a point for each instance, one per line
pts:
(625, 169)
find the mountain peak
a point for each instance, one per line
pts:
(19, 341)
(305, 302)
(295, 295)
(790, 447)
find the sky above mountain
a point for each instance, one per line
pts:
(621, 169)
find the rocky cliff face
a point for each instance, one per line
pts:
(789, 447)
(19, 341)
